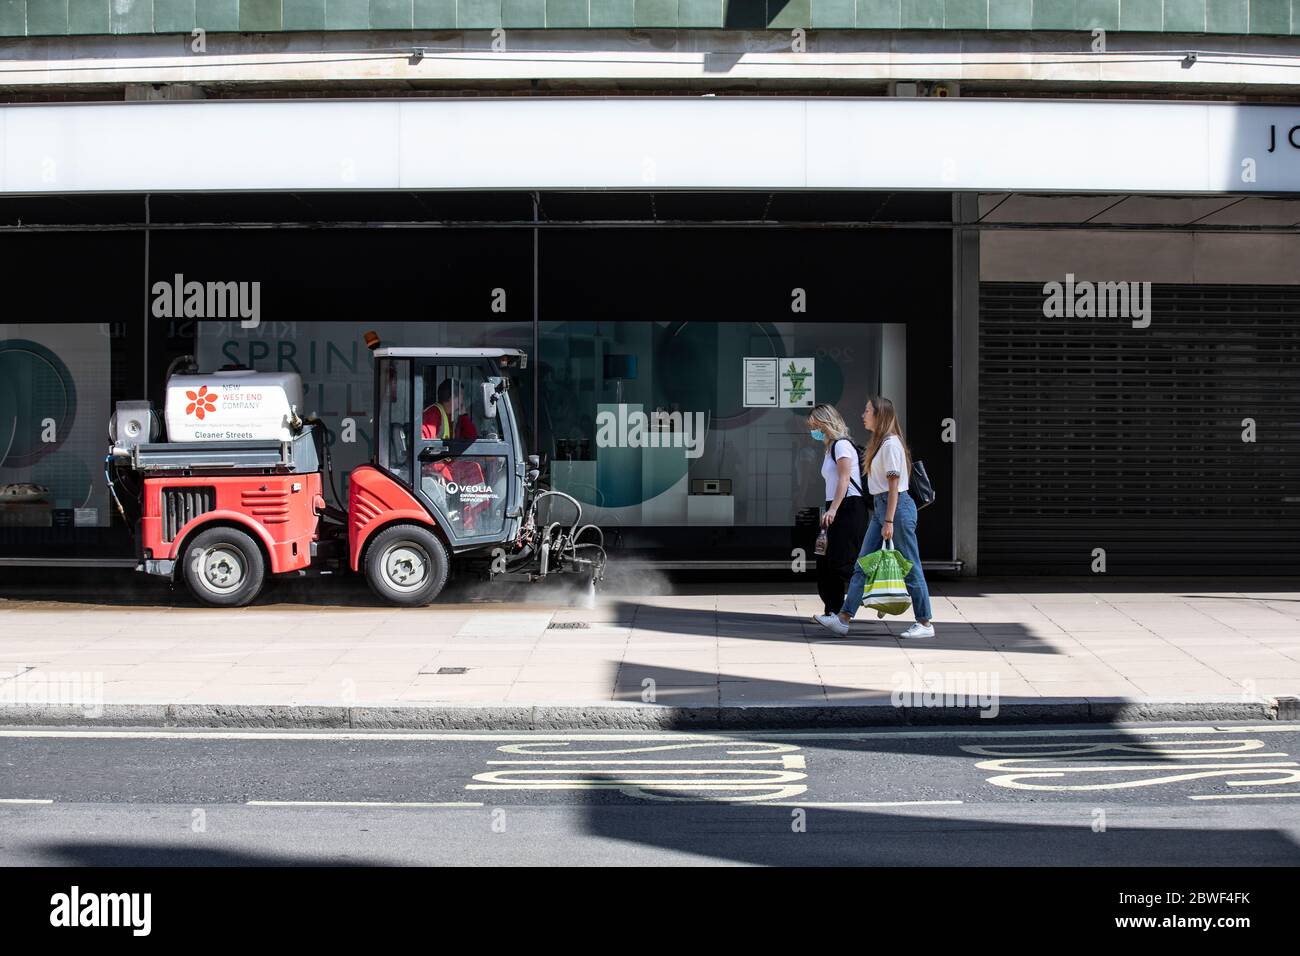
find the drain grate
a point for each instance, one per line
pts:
(567, 626)
(452, 670)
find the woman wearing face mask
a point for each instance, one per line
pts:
(845, 518)
(893, 518)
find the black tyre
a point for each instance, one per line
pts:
(407, 565)
(224, 567)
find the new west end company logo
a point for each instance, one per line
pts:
(76, 908)
(208, 300)
(201, 403)
(1292, 137)
(1098, 300)
(629, 428)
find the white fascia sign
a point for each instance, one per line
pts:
(631, 143)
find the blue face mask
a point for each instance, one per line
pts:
(818, 434)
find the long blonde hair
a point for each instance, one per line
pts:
(886, 417)
(830, 422)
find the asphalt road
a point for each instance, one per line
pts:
(1176, 795)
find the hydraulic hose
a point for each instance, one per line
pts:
(532, 510)
(519, 560)
(600, 566)
(328, 463)
(111, 481)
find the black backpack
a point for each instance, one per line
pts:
(862, 461)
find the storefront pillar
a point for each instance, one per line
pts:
(965, 381)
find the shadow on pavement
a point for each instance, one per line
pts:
(767, 836)
(867, 629)
(109, 853)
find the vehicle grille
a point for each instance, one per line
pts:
(182, 505)
(268, 507)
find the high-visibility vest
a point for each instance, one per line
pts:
(444, 428)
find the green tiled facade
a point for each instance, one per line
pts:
(81, 17)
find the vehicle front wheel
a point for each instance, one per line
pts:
(223, 567)
(407, 565)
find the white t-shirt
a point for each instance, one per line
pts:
(889, 460)
(844, 448)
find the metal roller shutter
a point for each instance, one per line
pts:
(1094, 434)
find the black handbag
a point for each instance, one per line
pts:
(919, 487)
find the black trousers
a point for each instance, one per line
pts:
(843, 542)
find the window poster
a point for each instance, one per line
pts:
(760, 383)
(797, 383)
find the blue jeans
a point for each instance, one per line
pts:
(904, 541)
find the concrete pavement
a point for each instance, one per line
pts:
(698, 647)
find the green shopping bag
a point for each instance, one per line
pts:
(885, 590)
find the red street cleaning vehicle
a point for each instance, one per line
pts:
(236, 492)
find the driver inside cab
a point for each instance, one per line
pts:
(446, 418)
(458, 485)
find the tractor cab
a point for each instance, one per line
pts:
(446, 430)
(450, 483)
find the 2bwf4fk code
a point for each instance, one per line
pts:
(1190, 897)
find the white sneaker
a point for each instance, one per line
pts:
(919, 630)
(832, 623)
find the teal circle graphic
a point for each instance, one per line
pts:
(34, 385)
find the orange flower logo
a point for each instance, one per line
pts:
(201, 403)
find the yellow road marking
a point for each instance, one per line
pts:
(1012, 780)
(1020, 765)
(354, 803)
(1239, 796)
(664, 790)
(865, 803)
(790, 762)
(1140, 748)
(762, 777)
(527, 748)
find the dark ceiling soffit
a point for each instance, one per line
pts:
(15, 228)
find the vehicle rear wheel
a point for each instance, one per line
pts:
(224, 567)
(407, 565)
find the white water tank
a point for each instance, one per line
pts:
(233, 405)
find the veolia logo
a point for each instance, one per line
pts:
(477, 488)
(201, 403)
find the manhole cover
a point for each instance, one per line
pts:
(567, 626)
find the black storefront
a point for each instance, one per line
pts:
(630, 303)
(1053, 439)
